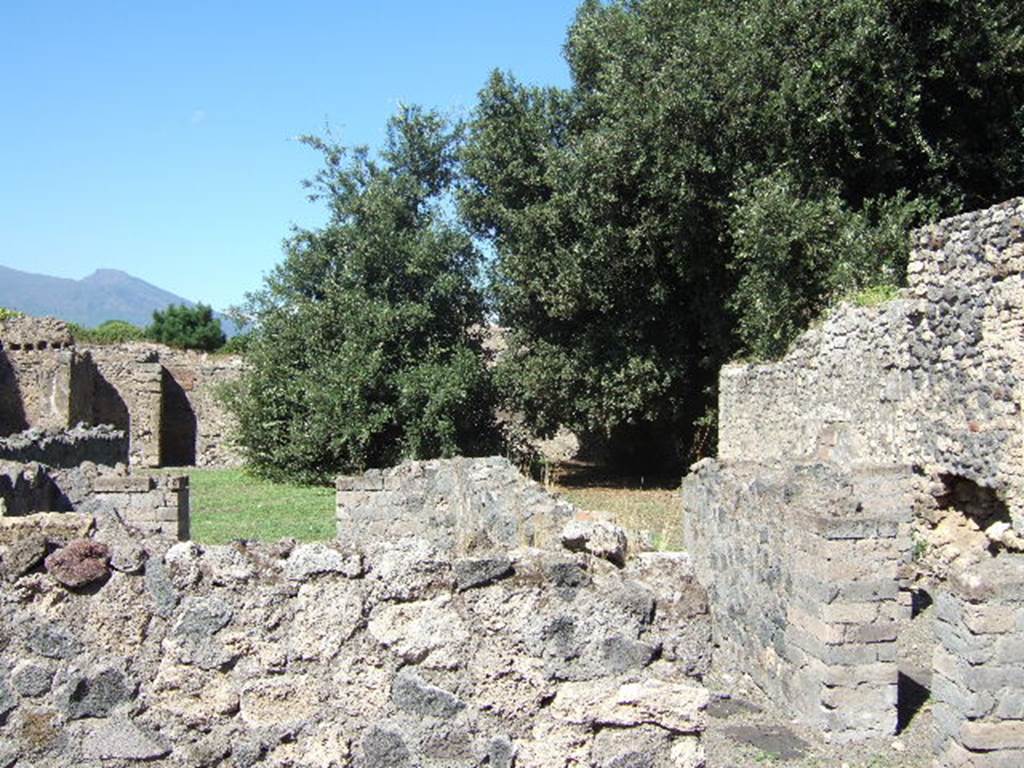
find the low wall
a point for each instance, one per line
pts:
(318, 655)
(801, 566)
(67, 447)
(462, 505)
(979, 667)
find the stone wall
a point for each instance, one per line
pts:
(155, 506)
(932, 380)
(65, 448)
(908, 412)
(128, 394)
(802, 569)
(171, 399)
(41, 376)
(462, 505)
(978, 680)
(323, 656)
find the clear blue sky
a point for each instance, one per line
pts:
(156, 136)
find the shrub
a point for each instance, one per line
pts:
(187, 327)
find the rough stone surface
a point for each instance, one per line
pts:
(248, 655)
(464, 506)
(81, 562)
(599, 538)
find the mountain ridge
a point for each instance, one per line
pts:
(105, 294)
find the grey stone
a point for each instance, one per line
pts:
(599, 538)
(313, 559)
(384, 748)
(52, 641)
(8, 700)
(121, 739)
(480, 571)
(22, 555)
(412, 694)
(202, 618)
(622, 653)
(97, 695)
(32, 679)
(160, 588)
(501, 753)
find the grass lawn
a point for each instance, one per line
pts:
(228, 504)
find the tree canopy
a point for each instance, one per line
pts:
(364, 347)
(187, 327)
(720, 172)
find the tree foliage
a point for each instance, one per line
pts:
(108, 332)
(718, 173)
(363, 350)
(187, 327)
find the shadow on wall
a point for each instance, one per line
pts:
(177, 426)
(12, 409)
(108, 405)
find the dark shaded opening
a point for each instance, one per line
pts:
(975, 502)
(12, 408)
(177, 426)
(108, 406)
(911, 696)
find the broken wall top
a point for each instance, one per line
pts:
(931, 379)
(27, 333)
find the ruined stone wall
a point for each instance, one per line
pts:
(802, 569)
(65, 448)
(977, 683)
(201, 377)
(462, 505)
(933, 380)
(128, 394)
(171, 399)
(40, 376)
(920, 396)
(322, 656)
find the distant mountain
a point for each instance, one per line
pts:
(106, 294)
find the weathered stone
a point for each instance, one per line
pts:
(599, 538)
(384, 748)
(22, 555)
(121, 739)
(52, 641)
(81, 562)
(30, 678)
(323, 558)
(8, 700)
(412, 694)
(96, 695)
(160, 589)
(202, 618)
(480, 571)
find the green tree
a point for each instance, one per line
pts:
(718, 173)
(363, 349)
(107, 332)
(187, 327)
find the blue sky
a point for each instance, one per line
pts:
(157, 137)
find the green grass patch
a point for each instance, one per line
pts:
(875, 295)
(228, 504)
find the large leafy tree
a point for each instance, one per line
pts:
(720, 172)
(364, 349)
(179, 325)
